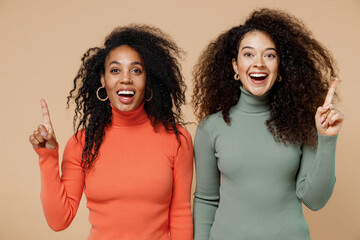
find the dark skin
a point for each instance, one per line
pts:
(164, 89)
(44, 135)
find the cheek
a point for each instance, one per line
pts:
(242, 69)
(142, 91)
(243, 66)
(142, 86)
(110, 88)
(110, 80)
(274, 67)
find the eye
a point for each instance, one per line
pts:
(114, 70)
(248, 54)
(270, 55)
(137, 71)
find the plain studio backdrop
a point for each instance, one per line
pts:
(41, 43)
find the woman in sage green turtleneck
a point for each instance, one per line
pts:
(267, 136)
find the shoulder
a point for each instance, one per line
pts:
(209, 129)
(184, 137)
(172, 138)
(170, 133)
(183, 131)
(183, 146)
(73, 150)
(212, 121)
(76, 142)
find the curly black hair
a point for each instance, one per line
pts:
(306, 67)
(163, 77)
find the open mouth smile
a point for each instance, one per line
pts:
(258, 78)
(126, 96)
(126, 93)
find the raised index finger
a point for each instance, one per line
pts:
(331, 92)
(46, 115)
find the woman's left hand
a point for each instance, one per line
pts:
(328, 119)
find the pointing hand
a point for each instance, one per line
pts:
(328, 119)
(44, 136)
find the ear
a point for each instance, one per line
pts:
(234, 64)
(102, 80)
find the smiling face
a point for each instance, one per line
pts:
(125, 78)
(257, 63)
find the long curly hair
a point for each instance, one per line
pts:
(163, 77)
(306, 67)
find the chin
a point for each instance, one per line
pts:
(258, 92)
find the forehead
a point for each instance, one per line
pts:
(124, 53)
(257, 39)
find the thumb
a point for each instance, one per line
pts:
(50, 139)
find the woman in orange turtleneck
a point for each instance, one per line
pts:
(129, 154)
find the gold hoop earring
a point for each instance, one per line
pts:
(98, 97)
(236, 77)
(279, 79)
(149, 99)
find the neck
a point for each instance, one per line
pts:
(251, 103)
(127, 119)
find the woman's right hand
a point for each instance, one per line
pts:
(44, 136)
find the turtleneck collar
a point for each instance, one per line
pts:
(127, 119)
(253, 104)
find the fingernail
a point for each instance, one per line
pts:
(43, 134)
(322, 119)
(326, 107)
(324, 124)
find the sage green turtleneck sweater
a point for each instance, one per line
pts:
(263, 182)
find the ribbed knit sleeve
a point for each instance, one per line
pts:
(181, 224)
(316, 177)
(207, 184)
(60, 196)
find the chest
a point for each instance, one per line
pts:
(247, 149)
(132, 166)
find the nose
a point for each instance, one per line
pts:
(125, 78)
(259, 61)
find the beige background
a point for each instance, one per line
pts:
(40, 49)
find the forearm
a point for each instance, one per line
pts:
(204, 214)
(315, 187)
(59, 197)
(181, 224)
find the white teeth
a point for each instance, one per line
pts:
(258, 75)
(125, 92)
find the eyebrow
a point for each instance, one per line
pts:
(133, 63)
(265, 48)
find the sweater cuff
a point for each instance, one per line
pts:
(46, 154)
(327, 142)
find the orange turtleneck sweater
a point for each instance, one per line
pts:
(138, 188)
